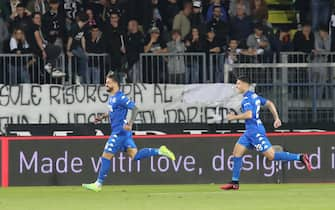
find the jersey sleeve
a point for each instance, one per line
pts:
(263, 100)
(246, 106)
(126, 102)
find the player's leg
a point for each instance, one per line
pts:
(146, 152)
(112, 146)
(271, 154)
(240, 148)
(238, 152)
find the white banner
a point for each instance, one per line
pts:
(158, 103)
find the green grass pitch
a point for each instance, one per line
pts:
(171, 197)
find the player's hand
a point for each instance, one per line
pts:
(231, 116)
(128, 127)
(277, 123)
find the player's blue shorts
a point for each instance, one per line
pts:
(255, 140)
(119, 143)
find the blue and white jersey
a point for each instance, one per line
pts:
(253, 102)
(118, 105)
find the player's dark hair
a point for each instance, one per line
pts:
(244, 78)
(113, 76)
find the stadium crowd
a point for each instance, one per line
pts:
(125, 28)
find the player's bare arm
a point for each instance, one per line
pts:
(270, 105)
(244, 116)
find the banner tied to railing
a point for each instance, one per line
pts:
(158, 103)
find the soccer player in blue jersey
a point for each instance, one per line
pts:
(121, 137)
(255, 134)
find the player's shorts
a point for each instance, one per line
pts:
(119, 143)
(255, 140)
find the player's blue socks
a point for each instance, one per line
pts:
(286, 156)
(104, 168)
(237, 168)
(146, 152)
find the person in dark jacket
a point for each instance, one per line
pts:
(95, 44)
(303, 40)
(134, 46)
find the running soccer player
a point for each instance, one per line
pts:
(121, 137)
(255, 134)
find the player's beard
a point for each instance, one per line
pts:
(109, 89)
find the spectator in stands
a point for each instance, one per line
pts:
(257, 42)
(197, 19)
(211, 43)
(13, 4)
(170, 10)
(320, 75)
(5, 10)
(213, 46)
(156, 45)
(193, 43)
(233, 51)
(233, 55)
(152, 16)
(41, 6)
(18, 71)
(76, 46)
(20, 18)
(95, 44)
(72, 9)
(53, 24)
(41, 48)
(233, 7)
(93, 20)
(322, 39)
(219, 26)
(321, 10)
(115, 42)
(282, 41)
(304, 11)
(116, 7)
(332, 29)
(259, 11)
(181, 21)
(223, 13)
(303, 40)
(134, 47)
(4, 34)
(176, 64)
(241, 25)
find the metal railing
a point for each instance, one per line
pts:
(302, 85)
(27, 68)
(88, 69)
(181, 68)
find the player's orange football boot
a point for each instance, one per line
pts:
(230, 186)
